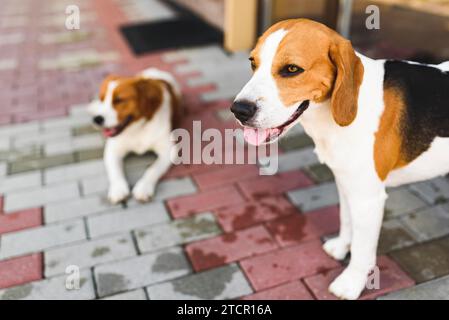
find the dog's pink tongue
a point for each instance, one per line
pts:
(257, 136)
(109, 132)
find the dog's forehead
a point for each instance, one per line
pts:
(293, 38)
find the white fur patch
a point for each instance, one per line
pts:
(262, 90)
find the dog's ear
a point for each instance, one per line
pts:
(149, 93)
(349, 76)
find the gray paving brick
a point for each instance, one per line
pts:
(66, 122)
(315, 197)
(196, 54)
(16, 129)
(89, 154)
(227, 282)
(37, 197)
(91, 141)
(401, 201)
(429, 223)
(437, 289)
(95, 184)
(41, 138)
(3, 169)
(20, 181)
(74, 208)
(52, 289)
(433, 191)
(394, 235)
(138, 294)
(74, 171)
(41, 238)
(127, 219)
(39, 162)
(296, 159)
(141, 271)
(5, 144)
(177, 232)
(89, 253)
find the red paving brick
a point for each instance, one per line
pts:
(274, 185)
(392, 278)
(20, 220)
(204, 201)
(297, 228)
(229, 247)
(227, 175)
(291, 291)
(285, 265)
(248, 214)
(20, 270)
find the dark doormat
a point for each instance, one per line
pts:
(185, 30)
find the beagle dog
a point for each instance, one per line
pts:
(136, 114)
(375, 123)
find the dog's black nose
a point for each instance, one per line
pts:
(98, 120)
(243, 110)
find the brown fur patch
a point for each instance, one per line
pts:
(388, 154)
(137, 98)
(104, 86)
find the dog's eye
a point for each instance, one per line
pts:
(291, 70)
(118, 100)
(253, 64)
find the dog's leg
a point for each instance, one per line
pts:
(338, 247)
(366, 200)
(145, 188)
(113, 159)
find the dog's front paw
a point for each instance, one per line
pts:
(143, 191)
(336, 248)
(349, 285)
(118, 192)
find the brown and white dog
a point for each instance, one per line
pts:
(137, 114)
(375, 123)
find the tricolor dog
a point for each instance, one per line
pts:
(136, 114)
(375, 123)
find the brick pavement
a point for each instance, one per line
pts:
(212, 232)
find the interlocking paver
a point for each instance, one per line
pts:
(433, 191)
(230, 247)
(204, 201)
(282, 266)
(20, 220)
(127, 219)
(76, 208)
(74, 171)
(295, 290)
(402, 201)
(429, 223)
(129, 295)
(88, 253)
(38, 163)
(425, 261)
(20, 270)
(177, 232)
(265, 186)
(297, 228)
(227, 175)
(315, 197)
(437, 289)
(30, 198)
(297, 159)
(52, 289)
(223, 283)
(394, 235)
(254, 212)
(41, 238)
(141, 271)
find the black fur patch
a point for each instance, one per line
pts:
(426, 93)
